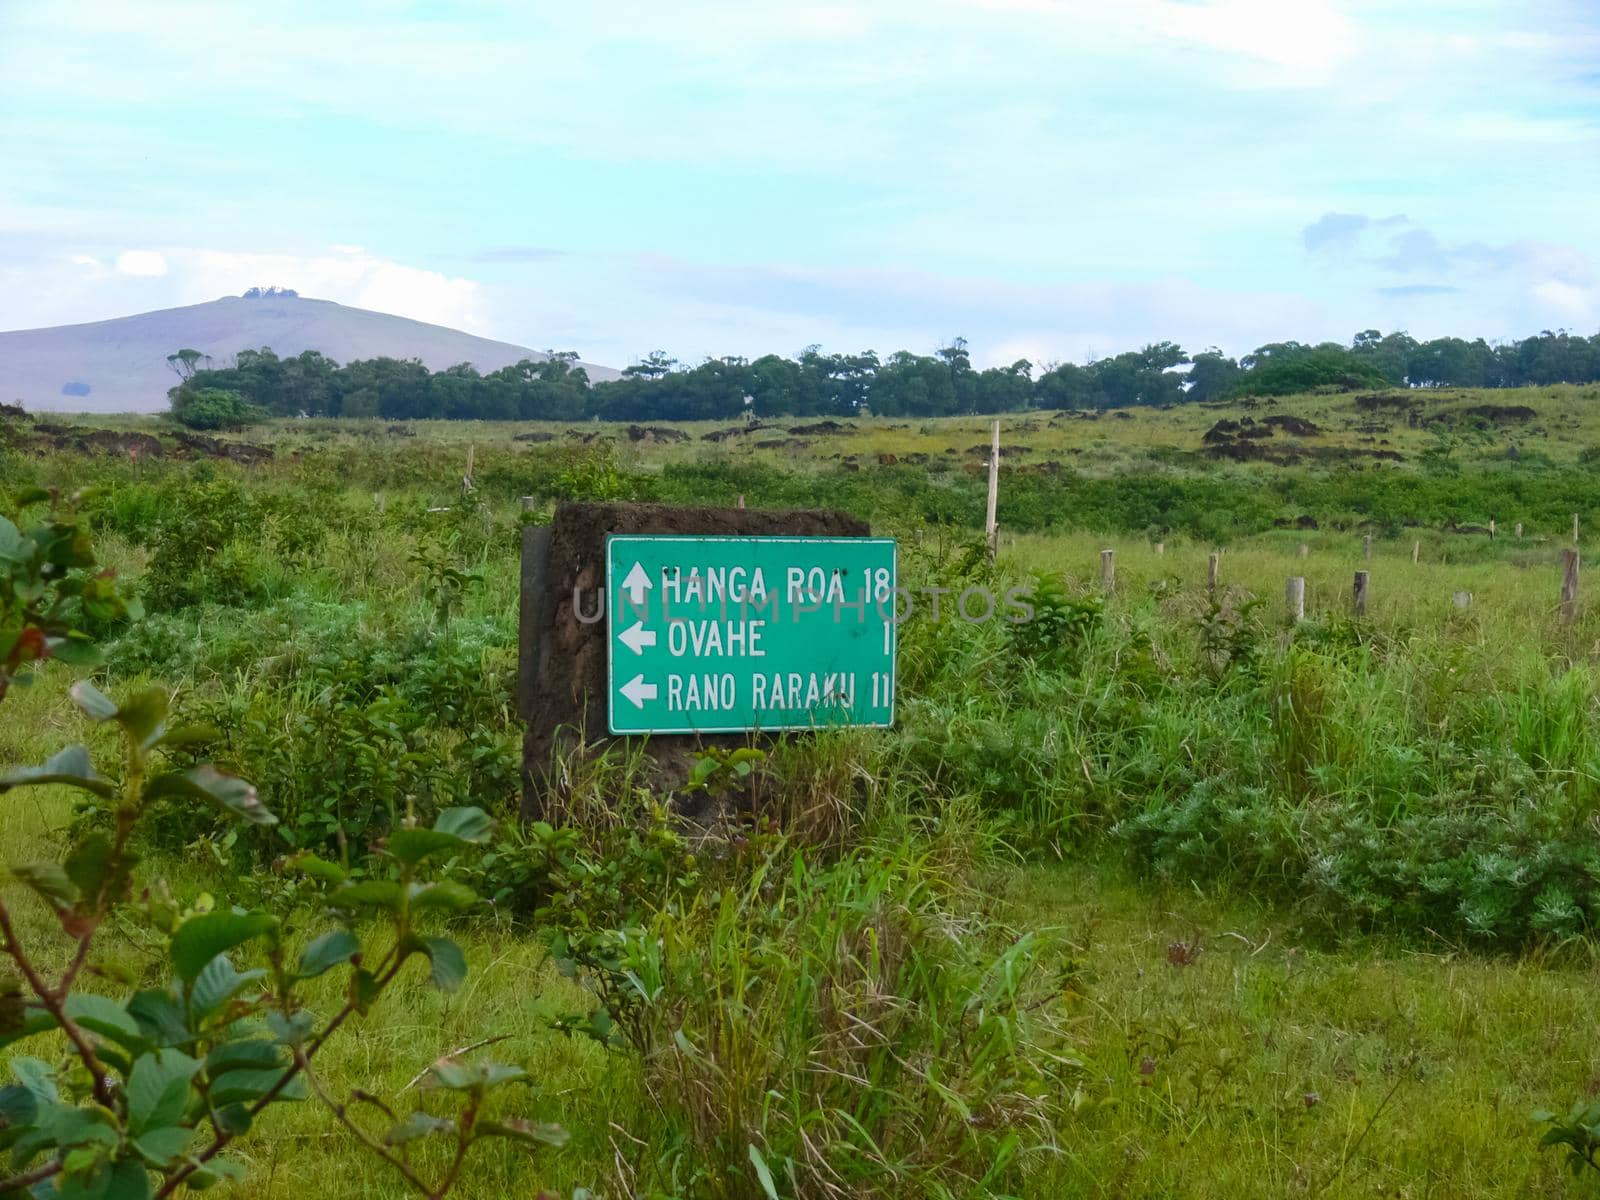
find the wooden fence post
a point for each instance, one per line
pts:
(991, 529)
(1358, 594)
(1161, 549)
(1416, 551)
(1462, 599)
(1569, 586)
(1491, 529)
(377, 499)
(1294, 595)
(531, 610)
(527, 504)
(1211, 574)
(739, 501)
(1108, 569)
(466, 480)
(1519, 529)
(1574, 529)
(1305, 550)
(1366, 545)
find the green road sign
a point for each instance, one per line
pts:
(723, 634)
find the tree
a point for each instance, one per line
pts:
(185, 362)
(1211, 375)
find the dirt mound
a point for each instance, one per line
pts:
(1501, 412)
(210, 447)
(722, 435)
(534, 436)
(1374, 401)
(109, 441)
(1298, 426)
(820, 427)
(400, 431)
(782, 444)
(655, 433)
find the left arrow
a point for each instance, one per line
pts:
(638, 691)
(636, 584)
(636, 637)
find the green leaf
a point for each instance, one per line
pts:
(218, 983)
(97, 706)
(326, 952)
(247, 1085)
(160, 1146)
(234, 1119)
(142, 715)
(291, 1029)
(129, 1181)
(454, 1075)
(318, 868)
(252, 1052)
(448, 965)
(88, 864)
(370, 893)
(38, 1077)
(532, 1133)
(447, 894)
(217, 1170)
(202, 938)
(467, 823)
(417, 1125)
(70, 766)
(232, 795)
(186, 736)
(18, 1106)
(50, 881)
(106, 1017)
(11, 542)
(411, 846)
(158, 1089)
(763, 1173)
(364, 989)
(161, 1018)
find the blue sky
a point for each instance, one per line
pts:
(1051, 180)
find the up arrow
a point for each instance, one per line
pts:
(636, 584)
(636, 637)
(638, 691)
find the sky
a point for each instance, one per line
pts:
(1051, 180)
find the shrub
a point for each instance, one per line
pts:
(213, 408)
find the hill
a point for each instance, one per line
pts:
(121, 365)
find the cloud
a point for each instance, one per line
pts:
(1333, 230)
(145, 263)
(518, 254)
(1420, 289)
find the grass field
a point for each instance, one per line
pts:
(1170, 899)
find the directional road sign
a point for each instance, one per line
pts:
(723, 634)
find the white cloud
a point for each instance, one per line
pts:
(346, 274)
(141, 262)
(38, 292)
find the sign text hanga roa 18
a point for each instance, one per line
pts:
(726, 634)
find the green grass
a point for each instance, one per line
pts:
(1377, 834)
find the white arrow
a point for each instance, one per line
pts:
(636, 584)
(636, 637)
(637, 690)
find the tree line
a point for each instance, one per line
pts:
(945, 383)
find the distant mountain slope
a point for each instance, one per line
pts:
(121, 365)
